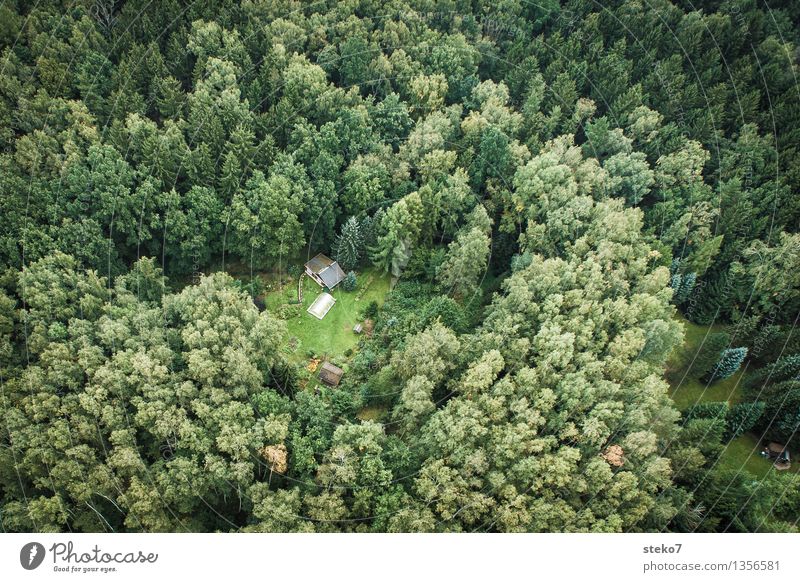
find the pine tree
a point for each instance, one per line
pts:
(781, 369)
(742, 417)
(688, 282)
(349, 244)
(349, 282)
(708, 354)
(681, 283)
(713, 302)
(728, 363)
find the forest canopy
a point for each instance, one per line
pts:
(580, 211)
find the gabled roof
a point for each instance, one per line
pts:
(332, 276)
(328, 270)
(330, 374)
(776, 447)
(319, 264)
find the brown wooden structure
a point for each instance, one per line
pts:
(330, 374)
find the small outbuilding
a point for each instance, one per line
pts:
(330, 374)
(780, 453)
(325, 271)
(358, 328)
(320, 307)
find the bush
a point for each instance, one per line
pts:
(286, 311)
(371, 310)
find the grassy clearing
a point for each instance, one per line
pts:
(376, 413)
(332, 336)
(687, 391)
(738, 455)
(692, 391)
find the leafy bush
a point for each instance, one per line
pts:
(371, 310)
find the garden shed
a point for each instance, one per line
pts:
(330, 374)
(325, 271)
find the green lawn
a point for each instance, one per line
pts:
(376, 413)
(737, 456)
(692, 391)
(333, 335)
(687, 391)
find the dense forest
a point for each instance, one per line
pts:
(585, 215)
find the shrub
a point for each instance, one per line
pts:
(286, 311)
(371, 310)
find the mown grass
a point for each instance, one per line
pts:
(691, 391)
(376, 413)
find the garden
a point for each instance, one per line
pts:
(331, 337)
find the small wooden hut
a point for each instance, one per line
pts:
(330, 374)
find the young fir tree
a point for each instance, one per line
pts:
(728, 363)
(349, 282)
(688, 281)
(780, 370)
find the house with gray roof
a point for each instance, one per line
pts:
(325, 271)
